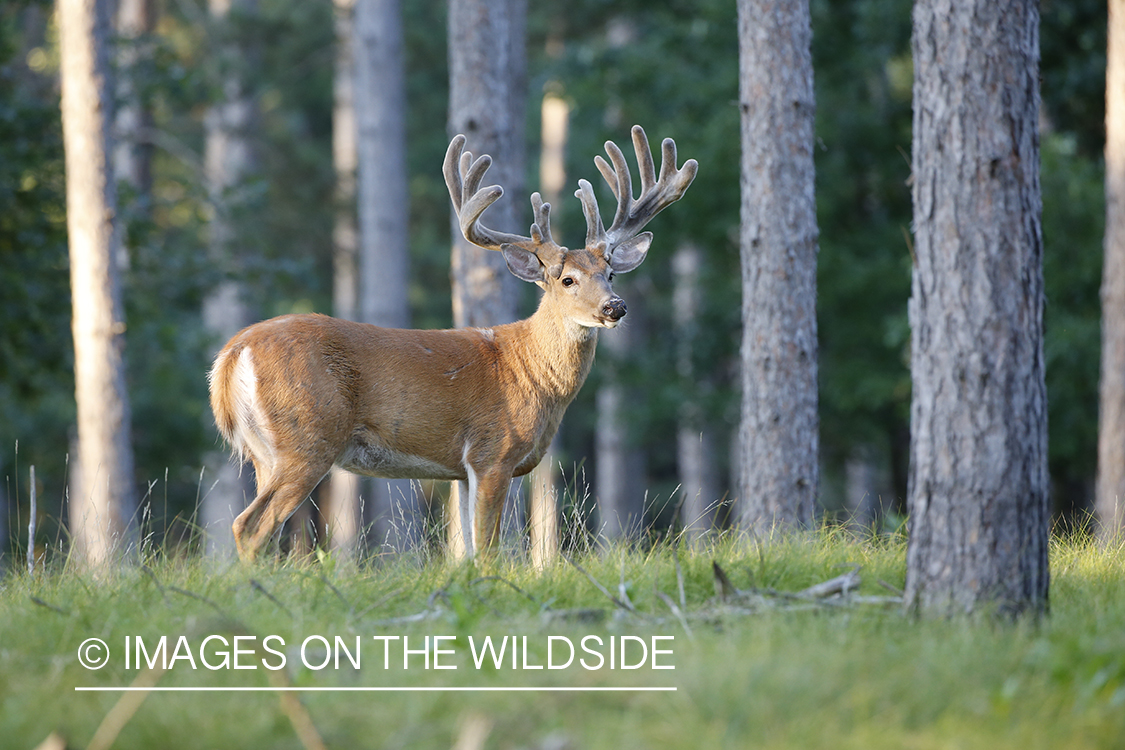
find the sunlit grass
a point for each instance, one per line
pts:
(800, 676)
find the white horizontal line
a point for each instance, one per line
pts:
(133, 689)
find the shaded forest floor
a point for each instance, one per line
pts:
(760, 659)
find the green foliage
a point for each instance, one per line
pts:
(863, 86)
(853, 676)
(36, 359)
(1073, 228)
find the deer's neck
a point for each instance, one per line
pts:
(553, 353)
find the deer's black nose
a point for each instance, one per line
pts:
(615, 309)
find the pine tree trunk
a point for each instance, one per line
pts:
(543, 493)
(340, 504)
(978, 486)
(101, 514)
(487, 82)
(1110, 493)
(228, 158)
(486, 103)
(380, 99)
(778, 436)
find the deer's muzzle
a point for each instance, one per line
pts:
(615, 309)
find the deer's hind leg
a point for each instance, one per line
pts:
(280, 492)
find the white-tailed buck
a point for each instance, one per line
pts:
(300, 393)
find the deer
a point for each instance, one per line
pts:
(300, 393)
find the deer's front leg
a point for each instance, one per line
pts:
(492, 490)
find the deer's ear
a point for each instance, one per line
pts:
(630, 253)
(524, 265)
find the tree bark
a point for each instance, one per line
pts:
(342, 508)
(1110, 492)
(487, 97)
(487, 72)
(101, 514)
(978, 485)
(384, 251)
(543, 494)
(228, 158)
(778, 436)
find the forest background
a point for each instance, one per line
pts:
(670, 66)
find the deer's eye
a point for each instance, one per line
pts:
(569, 281)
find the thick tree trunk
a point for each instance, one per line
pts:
(101, 513)
(487, 82)
(228, 158)
(695, 443)
(380, 100)
(1110, 493)
(778, 436)
(487, 71)
(978, 494)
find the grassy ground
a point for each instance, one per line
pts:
(761, 671)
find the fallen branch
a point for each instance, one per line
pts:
(841, 584)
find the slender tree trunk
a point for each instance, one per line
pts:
(543, 494)
(487, 98)
(101, 514)
(779, 431)
(978, 494)
(341, 505)
(620, 466)
(862, 491)
(132, 156)
(695, 444)
(1110, 492)
(228, 158)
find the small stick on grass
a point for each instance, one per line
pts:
(601, 588)
(52, 607)
(676, 611)
(262, 590)
(621, 591)
(889, 587)
(205, 600)
(386, 598)
(511, 585)
(724, 589)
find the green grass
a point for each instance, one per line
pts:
(787, 675)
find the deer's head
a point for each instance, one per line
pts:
(578, 280)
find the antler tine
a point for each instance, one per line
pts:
(463, 176)
(644, 159)
(656, 193)
(595, 230)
